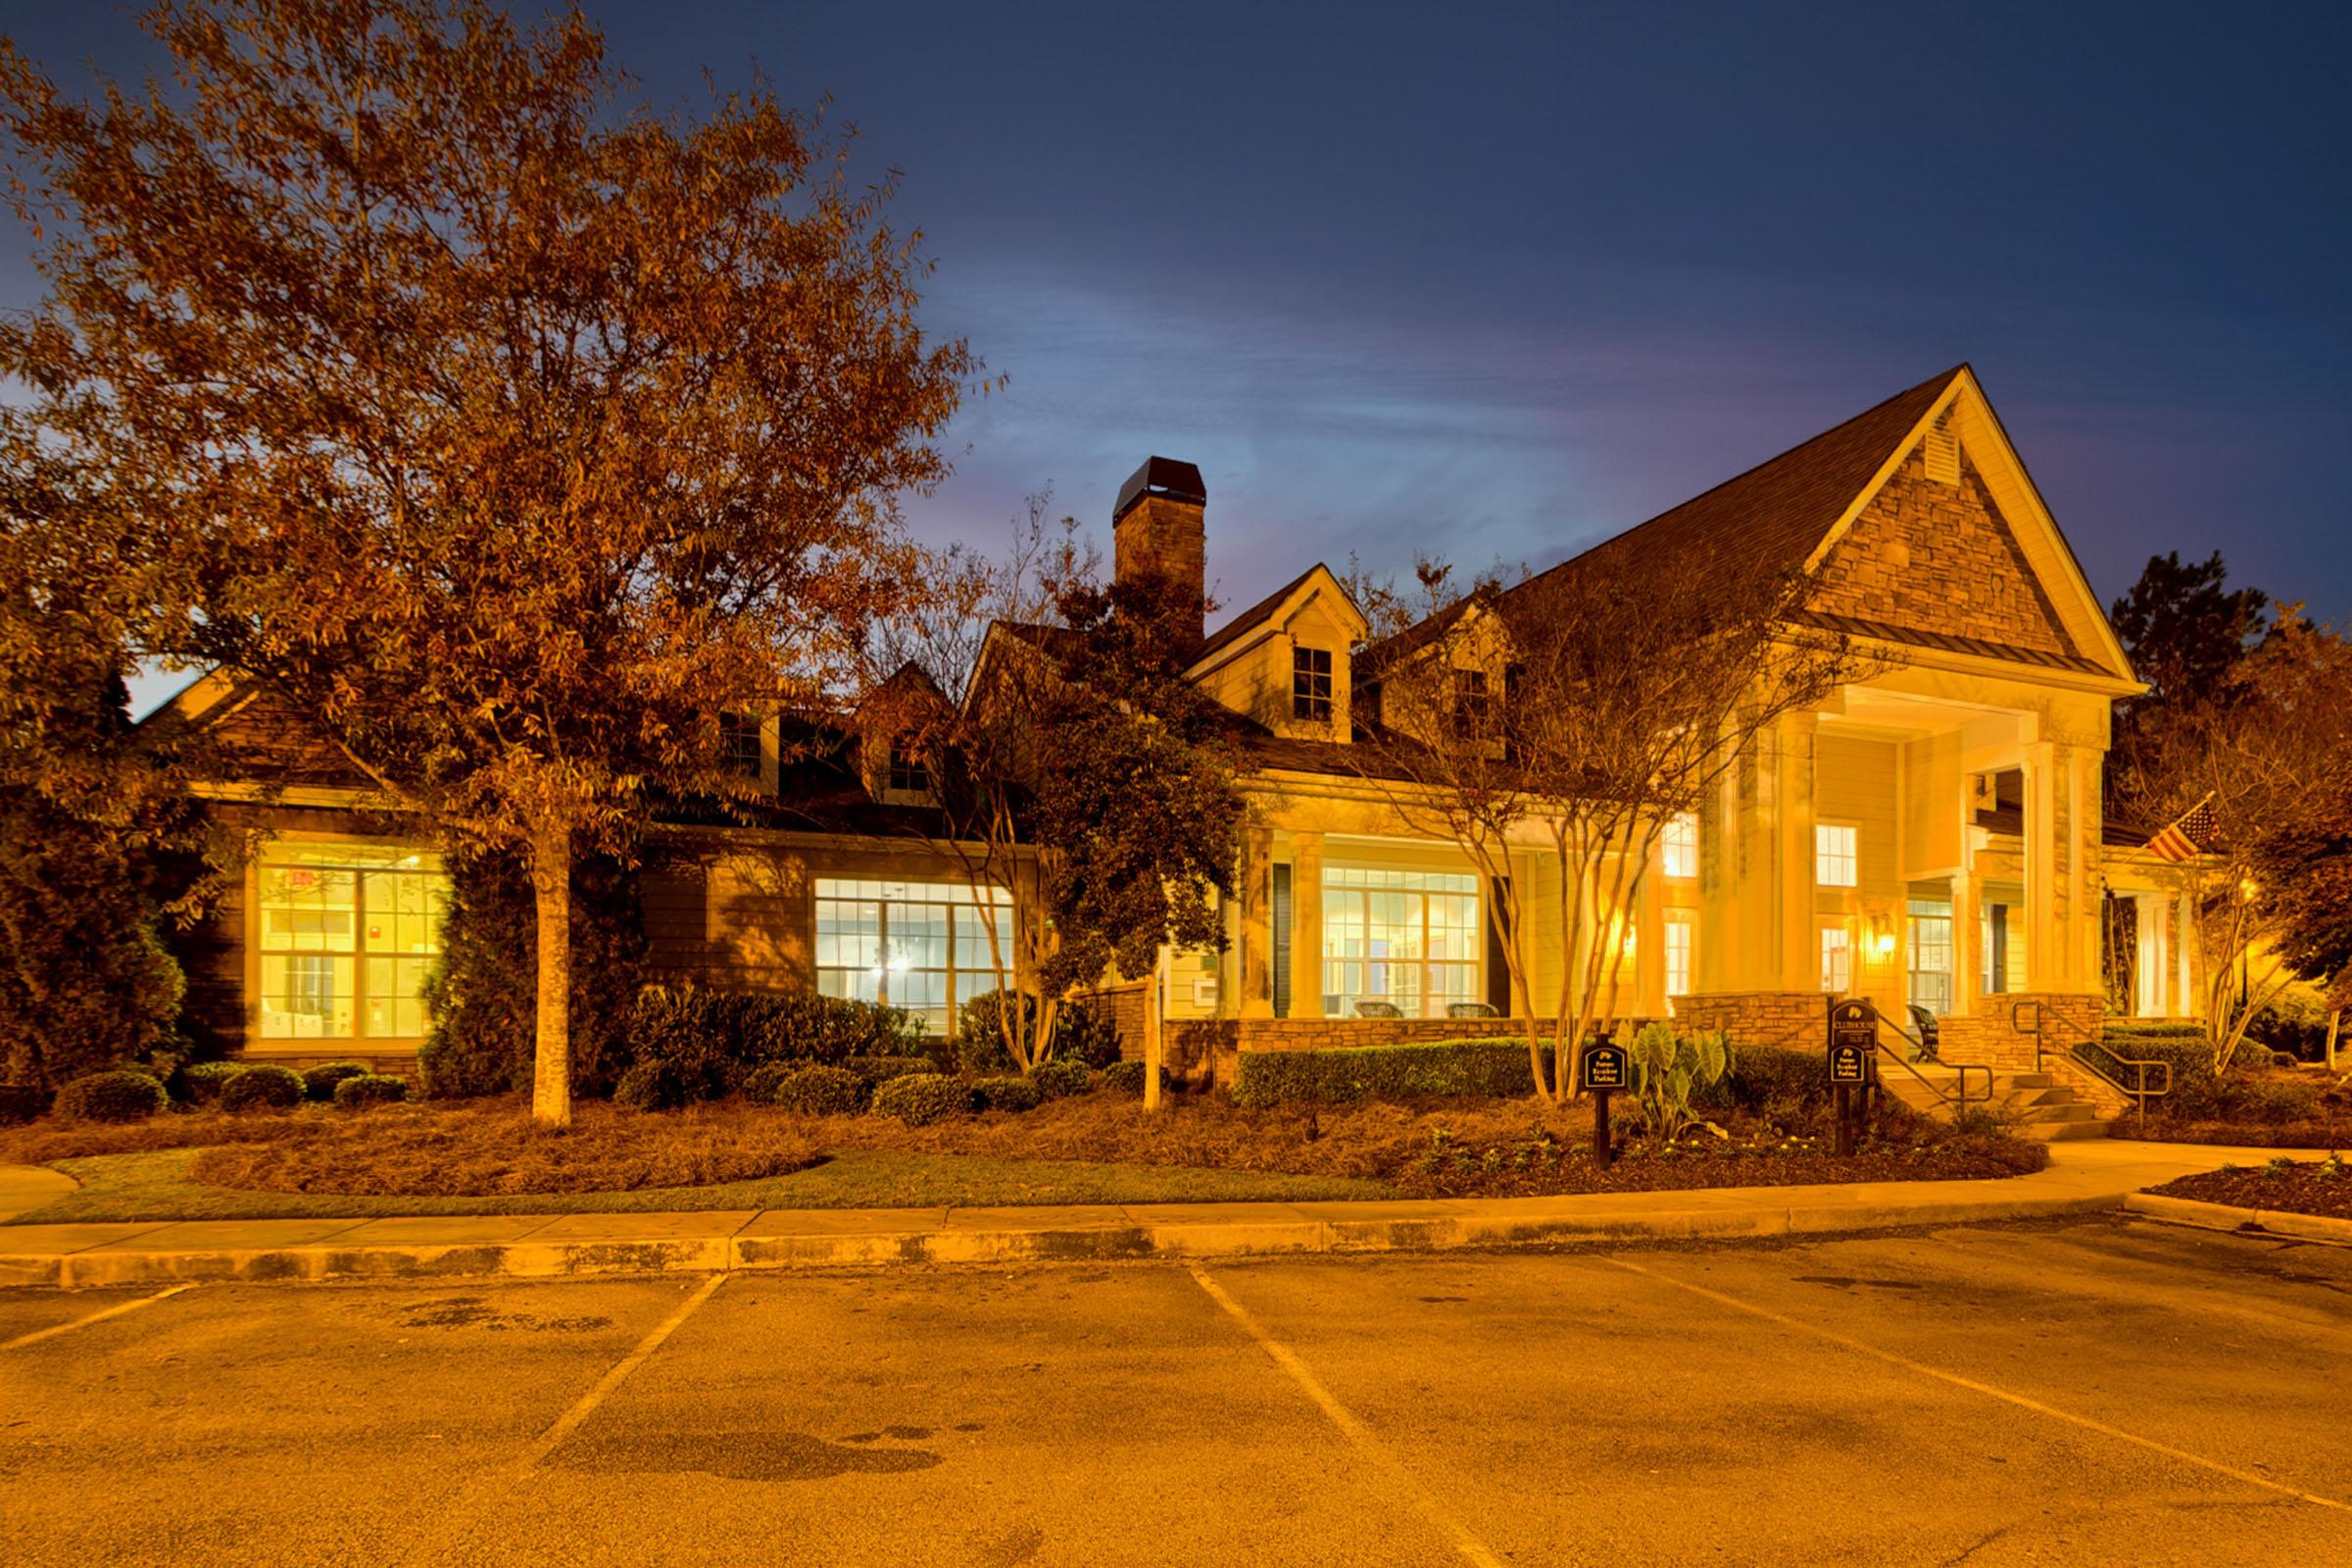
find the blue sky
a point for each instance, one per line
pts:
(1497, 284)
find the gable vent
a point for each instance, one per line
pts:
(1943, 451)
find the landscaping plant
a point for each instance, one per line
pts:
(922, 1097)
(366, 1090)
(1669, 1068)
(261, 1085)
(319, 1083)
(111, 1096)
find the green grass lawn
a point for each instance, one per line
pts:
(157, 1187)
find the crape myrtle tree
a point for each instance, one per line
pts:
(2260, 761)
(1070, 761)
(503, 428)
(1575, 715)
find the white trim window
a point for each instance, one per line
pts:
(1837, 856)
(1679, 844)
(920, 946)
(1837, 960)
(1678, 955)
(1411, 940)
(344, 936)
(1931, 953)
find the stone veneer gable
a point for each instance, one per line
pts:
(1941, 558)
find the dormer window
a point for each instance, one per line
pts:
(1311, 684)
(1471, 711)
(909, 774)
(739, 744)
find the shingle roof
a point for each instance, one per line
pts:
(1234, 629)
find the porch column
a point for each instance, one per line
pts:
(2044, 833)
(1650, 948)
(1756, 919)
(1306, 925)
(2084, 893)
(1968, 959)
(1798, 944)
(1255, 938)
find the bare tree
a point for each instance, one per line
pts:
(1576, 715)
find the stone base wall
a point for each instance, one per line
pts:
(1210, 1048)
(1989, 1035)
(1794, 1020)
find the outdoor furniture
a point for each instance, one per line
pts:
(1378, 1009)
(1471, 1009)
(1923, 1021)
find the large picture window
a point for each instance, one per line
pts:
(1931, 951)
(1409, 939)
(920, 946)
(345, 934)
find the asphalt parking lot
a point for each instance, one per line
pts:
(2096, 1390)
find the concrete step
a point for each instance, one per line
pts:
(2053, 1132)
(2071, 1111)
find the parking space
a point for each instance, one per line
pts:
(1994, 1394)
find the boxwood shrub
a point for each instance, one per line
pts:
(203, 1080)
(2195, 1092)
(115, 1096)
(875, 1070)
(1772, 1080)
(262, 1086)
(922, 1097)
(817, 1091)
(1127, 1078)
(1057, 1080)
(1007, 1092)
(319, 1082)
(1496, 1068)
(362, 1091)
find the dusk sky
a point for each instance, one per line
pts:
(1495, 283)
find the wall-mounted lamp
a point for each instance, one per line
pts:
(1881, 937)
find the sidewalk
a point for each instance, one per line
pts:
(2085, 1177)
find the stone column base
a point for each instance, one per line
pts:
(1794, 1020)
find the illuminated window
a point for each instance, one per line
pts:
(1680, 845)
(1677, 956)
(1310, 683)
(1411, 938)
(346, 934)
(1837, 960)
(1931, 951)
(920, 946)
(1837, 860)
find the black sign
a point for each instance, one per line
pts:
(1604, 1066)
(1853, 1043)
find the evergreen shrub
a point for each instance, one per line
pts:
(1007, 1092)
(319, 1083)
(1058, 1080)
(919, 1098)
(1449, 1069)
(114, 1096)
(261, 1085)
(366, 1090)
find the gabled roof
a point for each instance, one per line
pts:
(1266, 609)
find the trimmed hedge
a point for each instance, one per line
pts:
(261, 1085)
(1493, 1068)
(922, 1097)
(1772, 1080)
(203, 1080)
(1058, 1080)
(1127, 1078)
(877, 1070)
(364, 1090)
(1007, 1092)
(2196, 1091)
(1081, 1034)
(111, 1096)
(817, 1091)
(319, 1082)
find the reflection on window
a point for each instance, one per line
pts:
(346, 934)
(1677, 957)
(1930, 955)
(1837, 960)
(921, 946)
(1411, 938)
(1680, 845)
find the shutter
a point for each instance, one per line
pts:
(1281, 940)
(1498, 969)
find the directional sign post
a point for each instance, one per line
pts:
(1853, 1062)
(1604, 1067)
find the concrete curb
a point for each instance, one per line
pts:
(2229, 1217)
(775, 1240)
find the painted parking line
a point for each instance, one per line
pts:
(116, 1310)
(1354, 1429)
(1990, 1391)
(569, 1420)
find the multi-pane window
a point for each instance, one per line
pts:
(1680, 846)
(345, 934)
(1837, 861)
(739, 744)
(1837, 960)
(1408, 938)
(1471, 711)
(1677, 956)
(909, 774)
(1310, 683)
(1931, 953)
(920, 946)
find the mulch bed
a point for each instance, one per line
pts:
(2306, 1187)
(2330, 1134)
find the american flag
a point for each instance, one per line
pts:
(2189, 837)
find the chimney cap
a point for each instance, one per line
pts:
(1160, 477)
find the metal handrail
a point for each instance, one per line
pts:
(2137, 1091)
(1958, 1100)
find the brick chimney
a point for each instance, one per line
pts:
(1157, 532)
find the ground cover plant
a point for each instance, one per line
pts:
(2284, 1186)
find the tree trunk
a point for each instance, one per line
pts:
(550, 1058)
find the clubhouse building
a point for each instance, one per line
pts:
(1931, 837)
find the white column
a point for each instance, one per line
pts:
(2043, 830)
(1306, 925)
